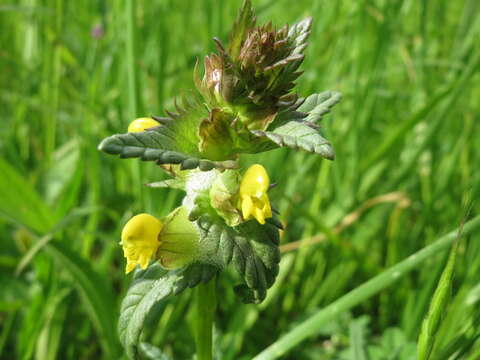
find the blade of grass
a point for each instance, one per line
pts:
(7, 326)
(312, 325)
(448, 106)
(399, 132)
(98, 298)
(52, 78)
(21, 203)
(130, 53)
(431, 322)
(441, 296)
(132, 87)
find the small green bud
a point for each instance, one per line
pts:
(224, 196)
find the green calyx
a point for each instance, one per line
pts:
(179, 241)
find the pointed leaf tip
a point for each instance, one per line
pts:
(110, 145)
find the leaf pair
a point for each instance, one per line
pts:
(176, 140)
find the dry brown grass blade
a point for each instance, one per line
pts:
(394, 197)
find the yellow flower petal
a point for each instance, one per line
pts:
(254, 201)
(259, 215)
(267, 209)
(130, 267)
(140, 240)
(142, 124)
(247, 206)
(255, 181)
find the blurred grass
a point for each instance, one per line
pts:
(75, 72)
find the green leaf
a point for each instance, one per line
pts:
(317, 105)
(298, 128)
(97, 296)
(174, 142)
(21, 203)
(154, 145)
(358, 331)
(299, 135)
(62, 171)
(252, 248)
(150, 287)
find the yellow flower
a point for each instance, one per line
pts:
(140, 240)
(254, 201)
(142, 124)
(173, 242)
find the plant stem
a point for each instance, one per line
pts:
(53, 82)
(205, 305)
(312, 325)
(130, 58)
(132, 88)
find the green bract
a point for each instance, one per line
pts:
(243, 104)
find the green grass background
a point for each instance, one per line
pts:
(408, 124)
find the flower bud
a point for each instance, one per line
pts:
(142, 124)
(224, 195)
(254, 202)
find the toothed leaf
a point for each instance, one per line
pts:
(299, 135)
(172, 143)
(317, 105)
(150, 287)
(252, 248)
(298, 35)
